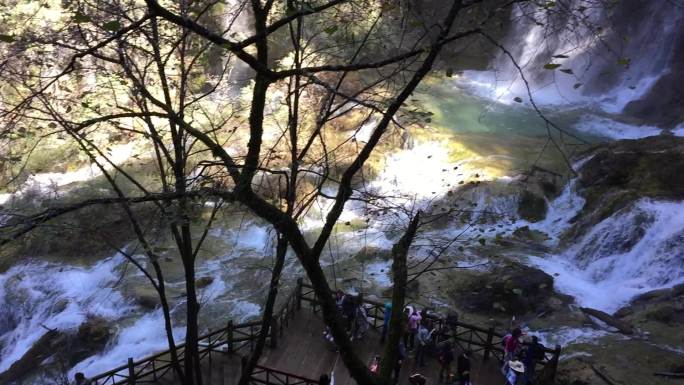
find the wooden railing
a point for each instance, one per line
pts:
(484, 341)
(236, 338)
(269, 376)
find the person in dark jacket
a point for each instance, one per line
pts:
(533, 354)
(445, 358)
(463, 368)
(348, 310)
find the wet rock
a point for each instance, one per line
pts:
(203, 282)
(531, 206)
(619, 173)
(669, 314)
(370, 254)
(526, 234)
(510, 288)
(46, 345)
(144, 296)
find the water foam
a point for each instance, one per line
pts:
(38, 295)
(636, 250)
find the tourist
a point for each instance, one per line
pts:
(533, 354)
(445, 358)
(387, 316)
(451, 322)
(80, 379)
(413, 323)
(423, 344)
(361, 325)
(514, 376)
(417, 379)
(511, 343)
(348, 310)
(339, 298)
(463, 368)
(408, 310)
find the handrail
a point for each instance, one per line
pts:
(247, 332)
(235, 337)
(471, 335)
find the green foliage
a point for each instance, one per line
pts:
(80, 17)
(551, 66)
(6, 38)
(112, 26)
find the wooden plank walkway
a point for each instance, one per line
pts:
(302, 355)
(302, 351)
(305, 352)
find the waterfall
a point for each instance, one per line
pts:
(36, 296)
(636, 250)
(614, 54)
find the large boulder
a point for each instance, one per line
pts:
(46, 346)
(70, 347)
(531, 206)
(509, 287)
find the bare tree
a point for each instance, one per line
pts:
(165, 75)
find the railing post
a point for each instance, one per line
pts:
(489, 346)
(300, 282)
(131, 372)
(229, 337)
(274, 333)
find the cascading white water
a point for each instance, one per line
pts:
(636, 250)
(613, 56)
(36, 296)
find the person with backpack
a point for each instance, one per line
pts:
(533, 354)
(360, 322)
(348, 311)
(511, 345)
(413, 324)
(423, 337)
(445, 358)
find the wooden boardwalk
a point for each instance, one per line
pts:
(297, 353)
(303, 352)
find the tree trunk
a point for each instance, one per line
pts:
(400, 277)
(266, 322)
